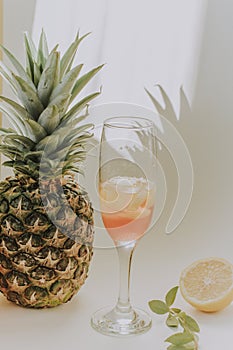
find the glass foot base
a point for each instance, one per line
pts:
(109, 321)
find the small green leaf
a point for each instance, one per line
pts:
(182, 315)
(159, 307)
(172, 321)
(191, 324)
(189, 346)
(180, 338)
(176, 310)
(171, 296)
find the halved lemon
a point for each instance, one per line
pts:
(207, 284)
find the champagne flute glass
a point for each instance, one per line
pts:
(127, 196)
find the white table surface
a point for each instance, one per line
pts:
(157, 263)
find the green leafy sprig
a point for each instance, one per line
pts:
(185, 340)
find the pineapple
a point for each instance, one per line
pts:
(46, 218)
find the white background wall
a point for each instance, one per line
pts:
(17, 18)
(207, 131)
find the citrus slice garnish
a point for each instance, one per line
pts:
(207, 284)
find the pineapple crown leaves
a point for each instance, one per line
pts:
(45, 127)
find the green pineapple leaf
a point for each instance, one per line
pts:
(48, 77)
(23, 169)
(67, 84)
(36, 131)
(7, 131)
(30, 45)
(29, 97)
(21, 111)
(69, 55)
(59, 154)
(74, 120)
(22, 139)
(43, 51)
(84, 80)
(30, 56)
(62, 102)
(73, 159)
(37, 74)
(10, 151)
(28, 143)
(75, 169)
(15, 120)
(15, 143)
(79, 106)
(19, 68)
(8, 163)
(49, 118)
(6, 74)
(44, 124)
(50, 142)
(33, 154)
(70, 136)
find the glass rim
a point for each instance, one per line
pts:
(109, 123)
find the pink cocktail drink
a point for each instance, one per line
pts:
(127, 205)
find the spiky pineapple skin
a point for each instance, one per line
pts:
(44, 263)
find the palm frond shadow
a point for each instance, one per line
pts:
(168, 111)
(175, 157)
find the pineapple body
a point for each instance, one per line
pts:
(46, 218)
(40, 266)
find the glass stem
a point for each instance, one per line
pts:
(125, 253)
